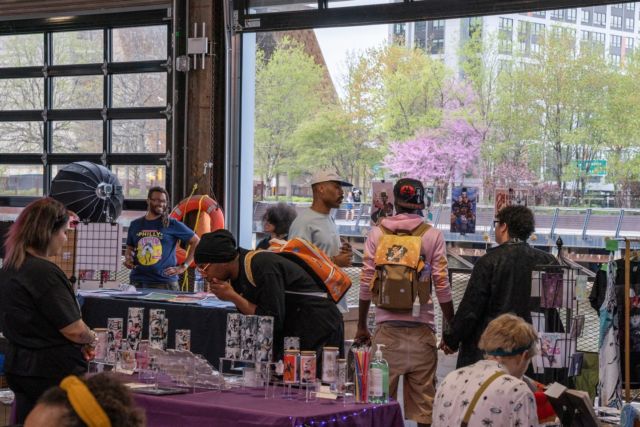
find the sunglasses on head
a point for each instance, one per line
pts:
(202, 269)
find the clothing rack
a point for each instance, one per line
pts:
(627, 316)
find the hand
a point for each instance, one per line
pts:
(128, 263)
(174, 271)
(346, 247)
(88, 352)
(343, 259)
(221, 289)
(444, 347)
(363, 337)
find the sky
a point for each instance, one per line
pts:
(336, 43)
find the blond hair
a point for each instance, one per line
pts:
(508, 335)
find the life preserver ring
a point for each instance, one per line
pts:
(209, 218)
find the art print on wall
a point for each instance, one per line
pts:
(510, 196)
(463, 210)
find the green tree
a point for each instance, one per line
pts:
(287, 94)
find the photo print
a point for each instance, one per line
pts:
(510, 196)
(551, 293)
(158, 328)
(264, 339)
(232, 343)
(135, 320)
(292, 343)
(463, 210)
(114, 337)
(183, 339)
(248, 337)
(381, 201)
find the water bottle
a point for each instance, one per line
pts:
(198, 283)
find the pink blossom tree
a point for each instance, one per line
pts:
(441, 154)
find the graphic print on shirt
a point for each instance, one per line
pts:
(149, 250)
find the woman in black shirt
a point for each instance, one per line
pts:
(39, 313)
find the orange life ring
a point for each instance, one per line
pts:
(209, 217)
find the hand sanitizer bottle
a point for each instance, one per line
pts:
(379, 378)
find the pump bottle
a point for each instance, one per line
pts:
(379, 378)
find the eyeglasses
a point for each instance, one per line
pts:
(202, 269)
(158, 200)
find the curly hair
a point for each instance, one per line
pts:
(519, 219)
(114, 398)
(281, 216)
(34, 228)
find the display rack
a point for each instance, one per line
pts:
(98, 254)
(557, 320)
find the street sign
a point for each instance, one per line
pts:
(592, 167)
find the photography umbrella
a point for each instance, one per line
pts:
(90, 190)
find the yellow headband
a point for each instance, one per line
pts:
(84, 403)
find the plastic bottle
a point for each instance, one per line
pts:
(379, 378)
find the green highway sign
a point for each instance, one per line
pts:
(592, 167)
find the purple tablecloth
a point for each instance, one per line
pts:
(244, 408)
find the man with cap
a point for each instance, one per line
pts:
(267, 284)
(409, 337)
(316, 224)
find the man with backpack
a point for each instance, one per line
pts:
(403, 257)
(268, 284)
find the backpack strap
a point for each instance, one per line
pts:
(476, 397)
(421, 229)
(247, 265)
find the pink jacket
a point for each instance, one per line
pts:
(435, 256)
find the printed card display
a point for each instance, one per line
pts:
(248, 335)
(232, 344)
(134, 327)
(551, 295)
(183, 339)
(158, 328)
(554, 350)
(575, 366)
(538, 321)
(114, 338)
(264, 339)
(381, 201)
(577, 326)
(463, 210)
(581, 288)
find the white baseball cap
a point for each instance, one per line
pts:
(325, 176)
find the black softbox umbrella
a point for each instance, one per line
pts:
(90, 190)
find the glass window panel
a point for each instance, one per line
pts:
(55, 169)
(78, 92)
(349, 3)
(140, 90)
(21, 137)
(77, 137)
(21, 180)
(24, 50)
(78, 47)
(21, 94)
(271, 6)
(140, 43)
(139, 136)
(136, 180)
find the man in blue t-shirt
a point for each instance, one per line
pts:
(151, 245)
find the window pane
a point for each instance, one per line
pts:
(20, 180)
(77, 137)
(21, 94)
(139, 136)
(78, 47)
(140, 43)
(140, 90)
(77, 92)
(23, 50)
(55, 169)
(136, 180)
(21, 137)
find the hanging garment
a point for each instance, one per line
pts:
(609, 384)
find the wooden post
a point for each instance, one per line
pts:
(627, 322)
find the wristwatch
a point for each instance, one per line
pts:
(185, 265)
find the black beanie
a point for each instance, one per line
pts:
(216, 247)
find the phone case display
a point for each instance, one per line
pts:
(232, 345)
(135, 320)
(248, 333)
(114, 338)
(290, 373)
(264, 339)
(308, 367)
(158, 329)
(329, 364)
(292, 343)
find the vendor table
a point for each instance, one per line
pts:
(249, 408)
(207, 324)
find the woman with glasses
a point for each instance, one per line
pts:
(39, 314)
